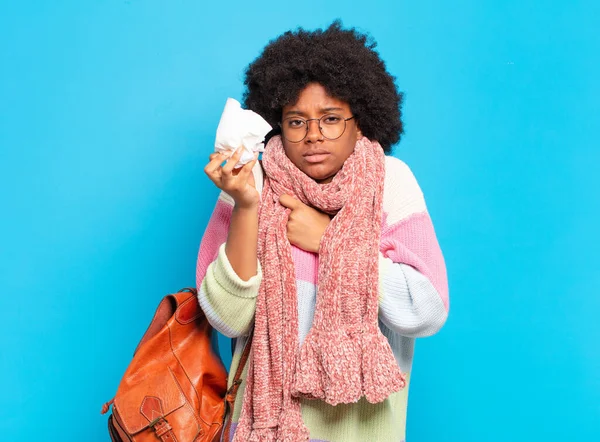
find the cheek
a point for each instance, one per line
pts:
(347, 147)
(292, 153)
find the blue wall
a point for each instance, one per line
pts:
(107, 115)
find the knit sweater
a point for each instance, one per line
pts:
(413, 302)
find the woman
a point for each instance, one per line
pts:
(324, 252)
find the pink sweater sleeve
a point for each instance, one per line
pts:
(408, 235)
(413, 241)
(413, 298)
(214, 236)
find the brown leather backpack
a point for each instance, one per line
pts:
(174, 389)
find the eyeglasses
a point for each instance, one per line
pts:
(295, 129)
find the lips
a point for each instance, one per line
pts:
(316, 156)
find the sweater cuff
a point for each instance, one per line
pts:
(385, 266)
(229, 280)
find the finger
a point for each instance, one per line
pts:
(214, 155)
(255, 159)
(244, 173)
(216, 179)
(247, 168)
(289, 201)
(215, 162)
(233, 160)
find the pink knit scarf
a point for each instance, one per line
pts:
(344, 355)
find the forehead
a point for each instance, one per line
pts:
(314, 97)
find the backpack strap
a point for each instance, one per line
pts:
(232, 392)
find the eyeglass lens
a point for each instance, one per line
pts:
(295, 129)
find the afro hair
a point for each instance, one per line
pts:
(344, 62)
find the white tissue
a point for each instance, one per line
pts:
(241, 127)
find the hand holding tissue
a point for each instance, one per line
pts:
(241, 127)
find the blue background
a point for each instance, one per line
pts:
(108, 111)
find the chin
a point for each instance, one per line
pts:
(319, 174)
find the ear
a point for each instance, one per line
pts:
(359, 134)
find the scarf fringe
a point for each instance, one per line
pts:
(245, 433)
(291, 428)
(242, 432)
(329, 367)
(381, 374)
(339, 367)
(263, 435)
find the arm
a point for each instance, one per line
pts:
(228, 273)
(409, 304)
(227, 300)
(413, 298)
(241, 247)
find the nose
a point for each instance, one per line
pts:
(314, 133)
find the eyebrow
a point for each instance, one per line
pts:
(322, 110)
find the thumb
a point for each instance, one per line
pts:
(288, 201)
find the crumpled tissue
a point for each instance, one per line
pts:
(241, 127)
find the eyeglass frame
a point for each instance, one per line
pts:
(320, 129)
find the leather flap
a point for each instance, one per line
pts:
(150, 400)
(188, 311)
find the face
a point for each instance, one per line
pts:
(317, 156)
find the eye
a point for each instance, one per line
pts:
(331, 119)
(295, 123)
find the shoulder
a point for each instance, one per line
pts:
(402, 195)
(399, 177)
